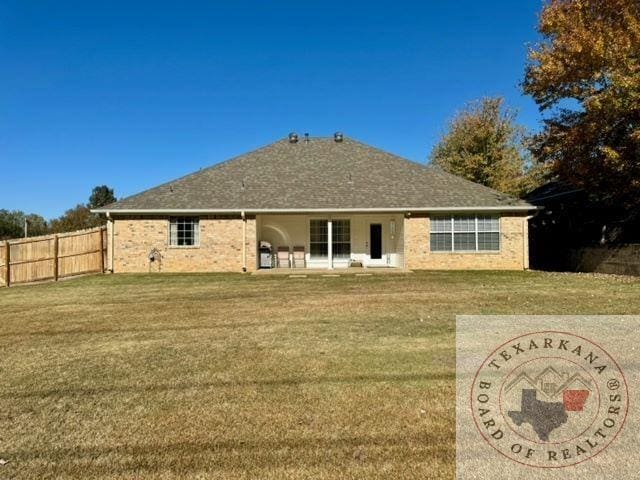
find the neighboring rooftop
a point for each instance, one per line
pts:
(316, 174)
(554, 189)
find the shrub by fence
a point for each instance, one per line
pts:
(51, 257)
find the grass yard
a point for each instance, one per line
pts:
(232, 376)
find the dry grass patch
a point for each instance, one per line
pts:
(231, 376)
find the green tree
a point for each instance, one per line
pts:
(77, 218)
(36, 225)
(484, 144)
(12, 224)
(585, 75)
(100, 196)
(80, 217)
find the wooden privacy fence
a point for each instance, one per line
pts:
(52, 257)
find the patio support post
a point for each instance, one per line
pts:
(329, 244)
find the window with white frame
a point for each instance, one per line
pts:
(184, 231)
(465, 233)
(318, 235)
(341, 239)
(488, 233)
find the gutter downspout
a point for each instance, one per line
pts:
(244, 241)
(525, 236)
(111, 241)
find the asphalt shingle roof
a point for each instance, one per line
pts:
(316, 174)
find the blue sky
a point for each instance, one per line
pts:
(133, 94)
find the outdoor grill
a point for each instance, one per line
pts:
(265, 254)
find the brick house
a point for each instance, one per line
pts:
(317, 203)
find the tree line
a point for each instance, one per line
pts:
(15, 223)
(584, 76)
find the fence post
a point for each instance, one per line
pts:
(7, 266)
(55, 257)
(101, 232)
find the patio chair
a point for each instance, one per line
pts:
(283, 257)
(299, 260)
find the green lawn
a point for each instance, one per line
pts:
(232, 376)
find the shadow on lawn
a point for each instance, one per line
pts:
(278, 382)
(79, 331)
(225, 455)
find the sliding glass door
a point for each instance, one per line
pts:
(318, 235)
(340, 239)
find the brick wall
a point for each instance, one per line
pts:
(513, 254)
(220, 248)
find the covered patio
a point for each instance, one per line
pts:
(332, 241)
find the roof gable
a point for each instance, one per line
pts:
(318, 174)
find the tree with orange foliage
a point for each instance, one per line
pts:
(484, 144)
(586, 75)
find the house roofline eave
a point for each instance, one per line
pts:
(238, 211)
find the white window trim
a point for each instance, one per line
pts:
(452, 233)
(311, 257)
(329, 258)
(182, 247)
(346, 219)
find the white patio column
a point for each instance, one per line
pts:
(330, 244)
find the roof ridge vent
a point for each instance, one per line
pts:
(293, 137)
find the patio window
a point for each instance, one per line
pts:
(340, 238)
(184, 231)
(341, 241)
(318, 236)
(465, 233)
